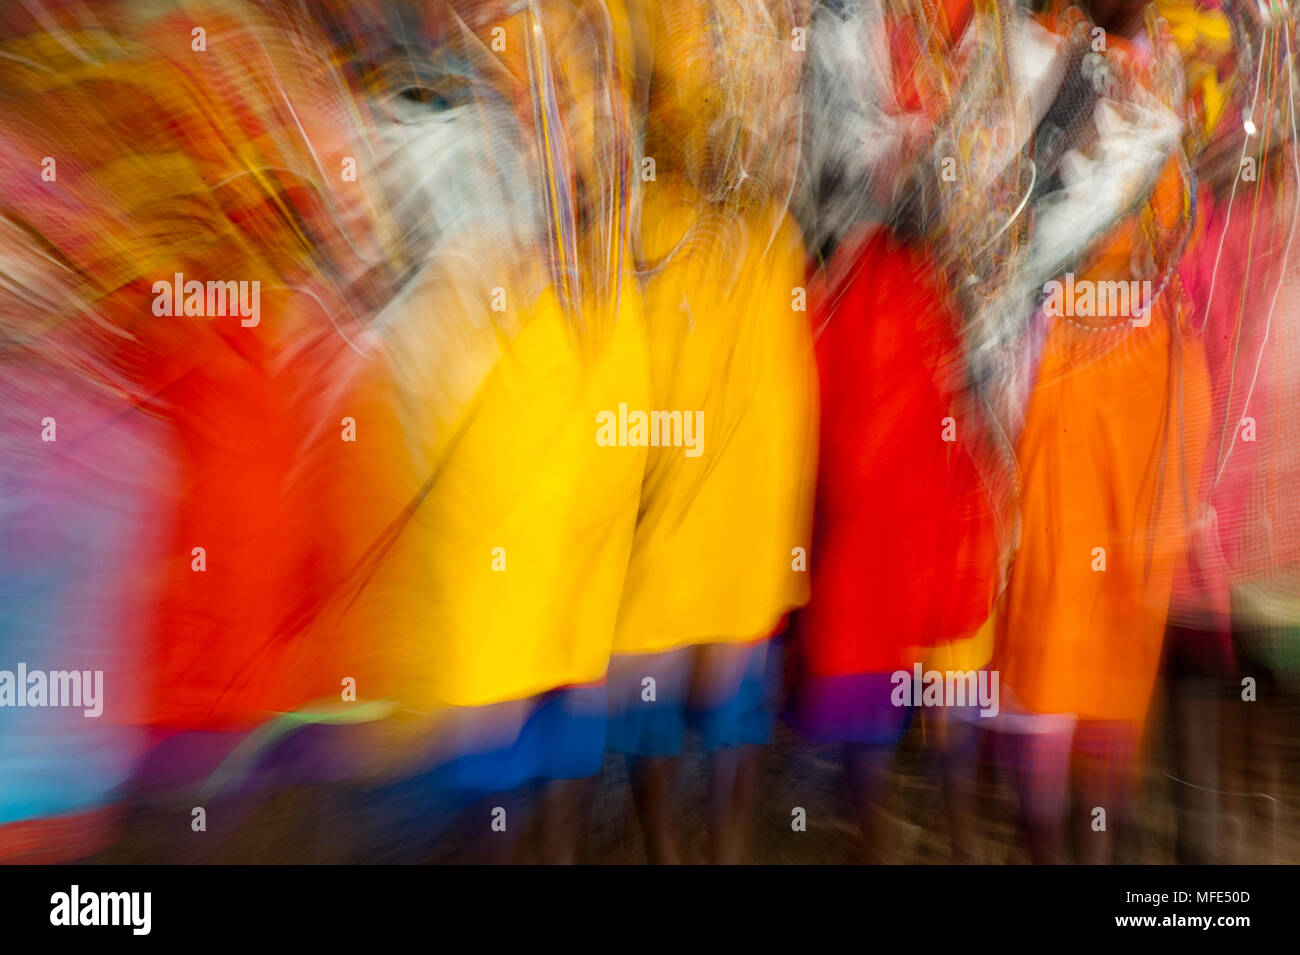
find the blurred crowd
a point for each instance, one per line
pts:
(438, 403)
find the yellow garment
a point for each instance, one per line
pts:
(972, 652)
(1204, 37)
(505, 580)
(715, 553)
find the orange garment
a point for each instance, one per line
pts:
(1109, 458)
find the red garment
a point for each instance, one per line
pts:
(904, 550)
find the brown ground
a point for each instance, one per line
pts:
(322, 824)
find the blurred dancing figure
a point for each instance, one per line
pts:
(1113, 437)
(720, 554)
